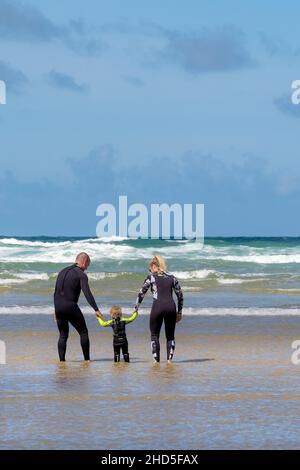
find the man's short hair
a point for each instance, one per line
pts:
(83, 258)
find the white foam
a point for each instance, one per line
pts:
(197, 274)
(188, 311)
(10, 282)
(231, 281)
(261, 259)
(103, 275)
(32, 276)
(21, 278)
(109, 248)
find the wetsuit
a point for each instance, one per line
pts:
(119, 335)
(70, 281)
(163, 308)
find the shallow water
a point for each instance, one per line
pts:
(232, 385)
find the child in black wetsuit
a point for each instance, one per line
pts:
(118, 324)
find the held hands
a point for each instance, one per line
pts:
(98, 314)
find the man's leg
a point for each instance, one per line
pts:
(78, 322)
(63, 327)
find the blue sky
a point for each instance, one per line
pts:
(164, 101)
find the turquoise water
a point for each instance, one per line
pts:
(224, 273)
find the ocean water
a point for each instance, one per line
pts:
(237, 276)
(232, 384)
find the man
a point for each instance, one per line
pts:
(70, 281)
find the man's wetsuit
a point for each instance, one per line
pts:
(119, 335)
(70, 281)
(163, 309)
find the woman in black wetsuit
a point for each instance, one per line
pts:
(162, 285)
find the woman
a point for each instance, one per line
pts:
(162, 285)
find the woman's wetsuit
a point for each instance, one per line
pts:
(70, 281)
(163, 309)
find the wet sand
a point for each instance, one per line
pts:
(232, 386)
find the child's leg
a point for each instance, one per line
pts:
(125, 352)
(117, 350)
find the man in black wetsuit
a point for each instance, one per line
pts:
(70, 281)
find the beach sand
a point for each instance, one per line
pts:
(232, 386)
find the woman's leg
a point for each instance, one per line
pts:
(170, 324)
(156, 320)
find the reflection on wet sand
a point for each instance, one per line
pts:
(232, 386)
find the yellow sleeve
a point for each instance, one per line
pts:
(104, 323)
(130, 319)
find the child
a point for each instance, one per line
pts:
(118, 324)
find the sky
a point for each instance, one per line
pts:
(170, 101)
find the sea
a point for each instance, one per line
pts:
(223, 276)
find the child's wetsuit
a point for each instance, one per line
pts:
(119, 335)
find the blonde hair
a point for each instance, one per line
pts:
(115, 311)
(159, 262)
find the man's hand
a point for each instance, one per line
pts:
(98, 314)
(54, 318)
(178, 317)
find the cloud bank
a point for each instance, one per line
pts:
(237, 198)
(14, 78)
(24, 22)
(65, 82)
(207, 50)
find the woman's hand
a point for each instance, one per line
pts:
(178, 317)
